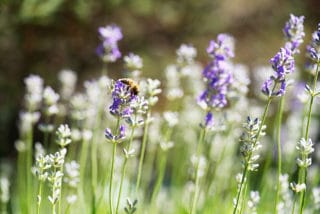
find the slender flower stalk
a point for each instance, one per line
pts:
(152, 90)
(250, 144)
(4, 193)
(63, 139)
(32, 102)
(86, 137)
(128, 153)
(217, 77)
(294, 34)
(198, 173)
(283, 64)
(143, 149)
(43, 163)
(139, 107)
(165, 144)
(114, 139)
(313, 51)
(278, 137)
(123, 95)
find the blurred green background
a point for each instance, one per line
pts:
(45, 36)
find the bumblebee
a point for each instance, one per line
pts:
(132, 85)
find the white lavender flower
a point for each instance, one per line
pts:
(150, 90)
(27, 120)
(76, 135)
(39, 150)
(298, 187)
(285, 201)
(72, 174)
(57, 159)
(79, 107)
(253, 201)
(63, 135)
(173, 89)
(55, 179)
(33, 96)
(186, 54)
(43, 163)
(20, 145)
(200, 164)
(86, 134)
(71, 198)
(50, 99)
(305, 148)
(241, 80)
(166, 145)
(316, 198)
(4, 190)
(46, 128)
(171, 118)
(133, 61)
(139, 106)
(68, 80)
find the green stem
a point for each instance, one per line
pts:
(161, 173)
(244, 196)
(39, 195)
(303, 170)
(3, 208)
(111, 176)
(244, 175)
(94, 164)
(68, 209)
(60, 196)
(278, 128)
(245, 170)
(114, 151)
(197, 181)
(21, 179)
(294, 204)
(162, 166)
(143, 149)
(28, 169)
(123, 173)
(53, 210)
(83, 160)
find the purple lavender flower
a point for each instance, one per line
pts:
(108, 50)
(122, 97)
(223, 48)
(115, 138)
(283, 64)
(313, 49)
(294, 33)
(209, 120)
(217, 74)
(278, 88)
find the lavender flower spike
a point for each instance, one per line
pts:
(294, 33)
(108, 50)
(313, 49)
(115, 138)
(217, 74)
(122, 96)
(223, 48)
(283, 64)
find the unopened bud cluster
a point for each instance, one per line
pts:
(249, 142)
